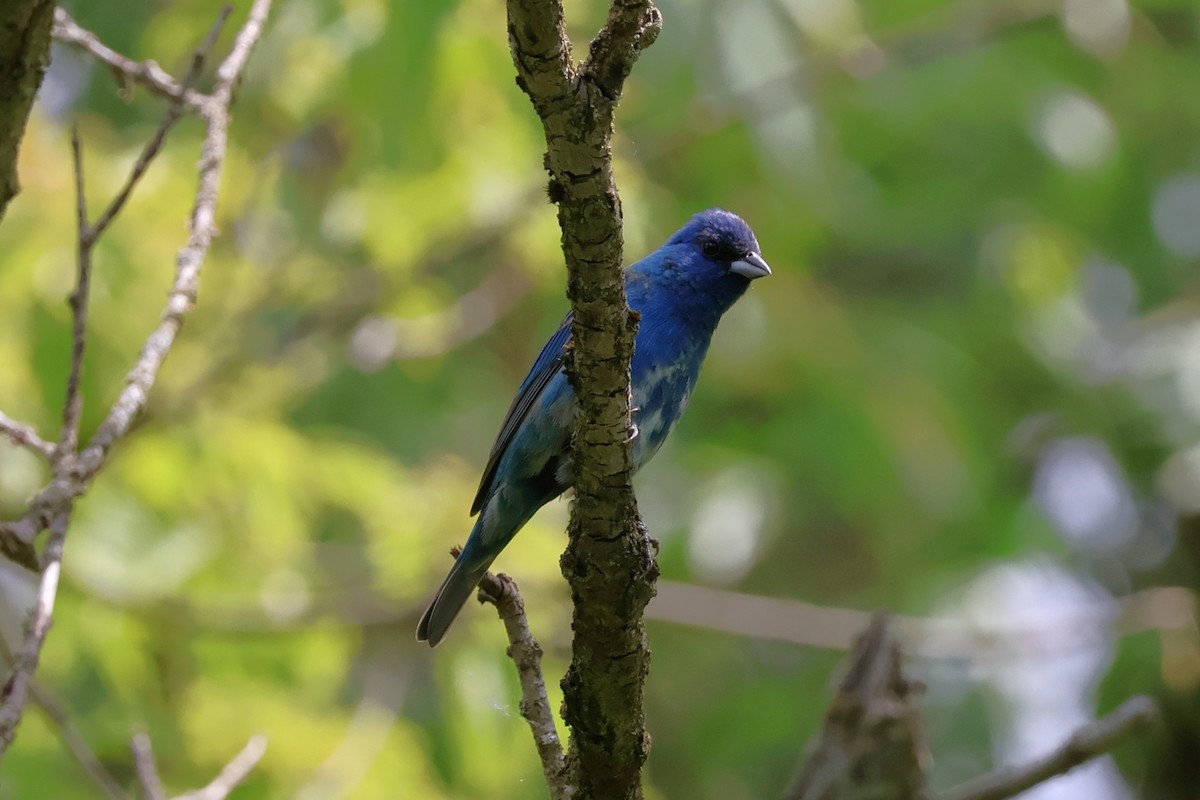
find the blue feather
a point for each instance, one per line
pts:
(680, 290)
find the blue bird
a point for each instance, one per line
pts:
(681, 290)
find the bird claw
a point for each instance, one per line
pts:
(633, 426)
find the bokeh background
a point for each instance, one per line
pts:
(970, 393)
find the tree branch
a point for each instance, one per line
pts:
(872, 745)
(229, 778)
(146, 73)
(234, 773)
(25, 662)
(147, 769)
(53, 506)
(73, 740)
(152, 148)
(23, 435)
(68, 441)
(89, 234)
(501, 591)
(1162, 608)
(609, 561)
(1090, 741)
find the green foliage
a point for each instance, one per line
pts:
(960, 207)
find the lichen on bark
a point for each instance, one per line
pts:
(24, 55)
(610, 560)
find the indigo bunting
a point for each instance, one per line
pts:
(681, 290)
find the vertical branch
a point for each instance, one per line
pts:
(24, 56)
(73, 405)
(16, 690)
(873, 745)
(609, 561)
(147, 768)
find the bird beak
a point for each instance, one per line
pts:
(751, 266)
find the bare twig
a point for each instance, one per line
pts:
(23, 435)
(229, 778)
(147, 73)
(132, 400)
(89, 234)
(16, 690)
(53, 506)
(74, 741)
(501, 591)
(54, 711)
(147, 769)
(182, 295)
(152, 148)
(1090, 741)
(68, 440)
(1161, 608)
(16, 548)
(234, 773)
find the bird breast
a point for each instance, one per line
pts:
(660, 396)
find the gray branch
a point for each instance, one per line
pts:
(147, 74)
(1090, 741)
(234, 773)
(74, 471)
(23, 435)
(501, 591)
(229, 778)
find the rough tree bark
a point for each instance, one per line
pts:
(24, 55)
(610, 560)
(873, 745)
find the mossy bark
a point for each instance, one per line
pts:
(24, 55)
(610, 560)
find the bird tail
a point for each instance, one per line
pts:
(464, 577)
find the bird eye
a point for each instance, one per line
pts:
(711, 249)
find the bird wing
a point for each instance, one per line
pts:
(544, 369)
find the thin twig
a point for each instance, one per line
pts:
(73, 405)
(16, 690)
(174, 113)
(23, 435)
(55, 712)
(147, 73)
(89, 234)
(501, 591)
(53, 506)
(1090, 741)
(147, 769)
(74, 741)
(191, 258)
(16, 548)
(234, 773)
(1162, 608)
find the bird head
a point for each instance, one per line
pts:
(726, 243)
(704, 268)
